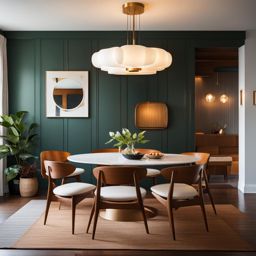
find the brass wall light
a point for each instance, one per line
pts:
(151, 115)
(254, 98)
(241, 97)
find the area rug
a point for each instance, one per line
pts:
(190, 230)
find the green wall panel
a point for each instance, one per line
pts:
(112, 99)
(52, 129)
(22, 93)
(79, 55)
(178, 107)
(109, 110)
(78, 58)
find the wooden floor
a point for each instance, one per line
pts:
(223, 194)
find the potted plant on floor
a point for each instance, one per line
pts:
(18, 140)
(28, 180)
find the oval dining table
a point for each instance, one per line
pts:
(120, 160)
(117, 159)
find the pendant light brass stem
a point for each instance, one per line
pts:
(132, 9)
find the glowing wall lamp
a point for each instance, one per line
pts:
(210, 97)
(224, 98)
(151, 115)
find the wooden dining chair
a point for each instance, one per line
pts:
(203, 161)
(180, 192)
(106, 150)
(61, 156)
(117, 192)
(151, 172)
(73, 192)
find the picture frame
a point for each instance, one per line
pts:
(67, 94)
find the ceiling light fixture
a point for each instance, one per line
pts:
(132, 59)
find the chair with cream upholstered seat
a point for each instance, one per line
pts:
(203, 161)
(73, 192)
(151, 172)
(180, 192)
(117, 192)
(61, 156)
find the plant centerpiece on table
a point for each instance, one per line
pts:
(128, 140)
(18, 140)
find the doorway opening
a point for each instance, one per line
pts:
(216, 111)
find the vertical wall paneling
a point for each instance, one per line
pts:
(137, 91)
(52, 135)
(79, 140)
(22, 91)
(123, 96)
(190, 95)
(66, 68)
(37, 97)
(109, 106)
(177, 97)
(94, 99)
(109, 101)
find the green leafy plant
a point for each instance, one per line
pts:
(18, 142)
(126, 138)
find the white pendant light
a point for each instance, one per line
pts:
(132, 59)
(210, 97)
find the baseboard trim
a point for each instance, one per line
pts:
(247, 188)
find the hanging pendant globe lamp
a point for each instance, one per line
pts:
(224, 98)
(132, 59)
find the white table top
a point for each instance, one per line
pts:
(118, 159)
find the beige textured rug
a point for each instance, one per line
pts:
(190, 231)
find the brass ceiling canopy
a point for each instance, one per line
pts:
(133, 8)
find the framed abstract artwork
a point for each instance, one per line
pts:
(67, 94)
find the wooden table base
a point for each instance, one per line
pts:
(127, 214)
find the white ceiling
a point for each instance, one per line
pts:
(107, 15)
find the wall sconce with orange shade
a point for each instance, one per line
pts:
(210, 97)
(151, 115)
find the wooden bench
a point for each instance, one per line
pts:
(219, 165)
(225, 145)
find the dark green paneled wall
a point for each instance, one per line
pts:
(112, 98)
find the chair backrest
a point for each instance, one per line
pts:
(203, 157)
(52, 155)
(147, 150)
(120, 175)
(141, 150)
(105, 150)
(183, 174)
(58, 170)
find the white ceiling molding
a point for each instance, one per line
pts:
(93, 15)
